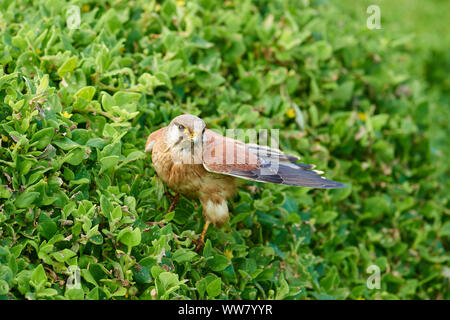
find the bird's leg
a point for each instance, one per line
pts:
(201, 243)
(173, 199)
(174, 202)
(205, 228)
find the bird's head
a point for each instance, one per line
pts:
(184, 133)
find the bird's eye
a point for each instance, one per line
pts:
(181, 127)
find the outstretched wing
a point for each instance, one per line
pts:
(253, 162)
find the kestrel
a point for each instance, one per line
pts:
(201, 164)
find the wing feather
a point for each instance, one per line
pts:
(259, 163)
(153, 138)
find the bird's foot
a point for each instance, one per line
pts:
(198, 245)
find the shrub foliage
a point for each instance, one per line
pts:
(83, 215)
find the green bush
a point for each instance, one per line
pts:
(79, 196)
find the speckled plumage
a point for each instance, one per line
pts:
(195, 162)
(192, 180)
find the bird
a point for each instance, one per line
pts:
(201, 164)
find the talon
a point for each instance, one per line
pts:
(199, 246)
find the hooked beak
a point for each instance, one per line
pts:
(194, 137)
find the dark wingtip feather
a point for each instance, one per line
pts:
(305, 166)
(330, 184)
(286, 174)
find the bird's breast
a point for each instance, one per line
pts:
(185, 178)
(191, 179)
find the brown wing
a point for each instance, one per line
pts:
(225, 155)
(249, 161)
(153, 137)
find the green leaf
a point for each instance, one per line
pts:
(344, 92)
(5, 193)
(283, 290)
(108, 162)
(326, 216)
(95, 236)
(74, 294)
(219, 262)
(105, 206)
(130, 237)
(445, 230)
(38, 277)
(135, 155)
(63, 255)
(47, 292)
(122, 98)
(4, 287)
(214, 288)
(25, 199)
(75, 156)
(168, 279)
(208, 80)
(183, 255)
(374, 207)
(116, 214)
(46, 226)
(86, 93)
(65, 144)
(43, 137)
(68, 66)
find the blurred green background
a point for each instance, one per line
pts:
(425, 27)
